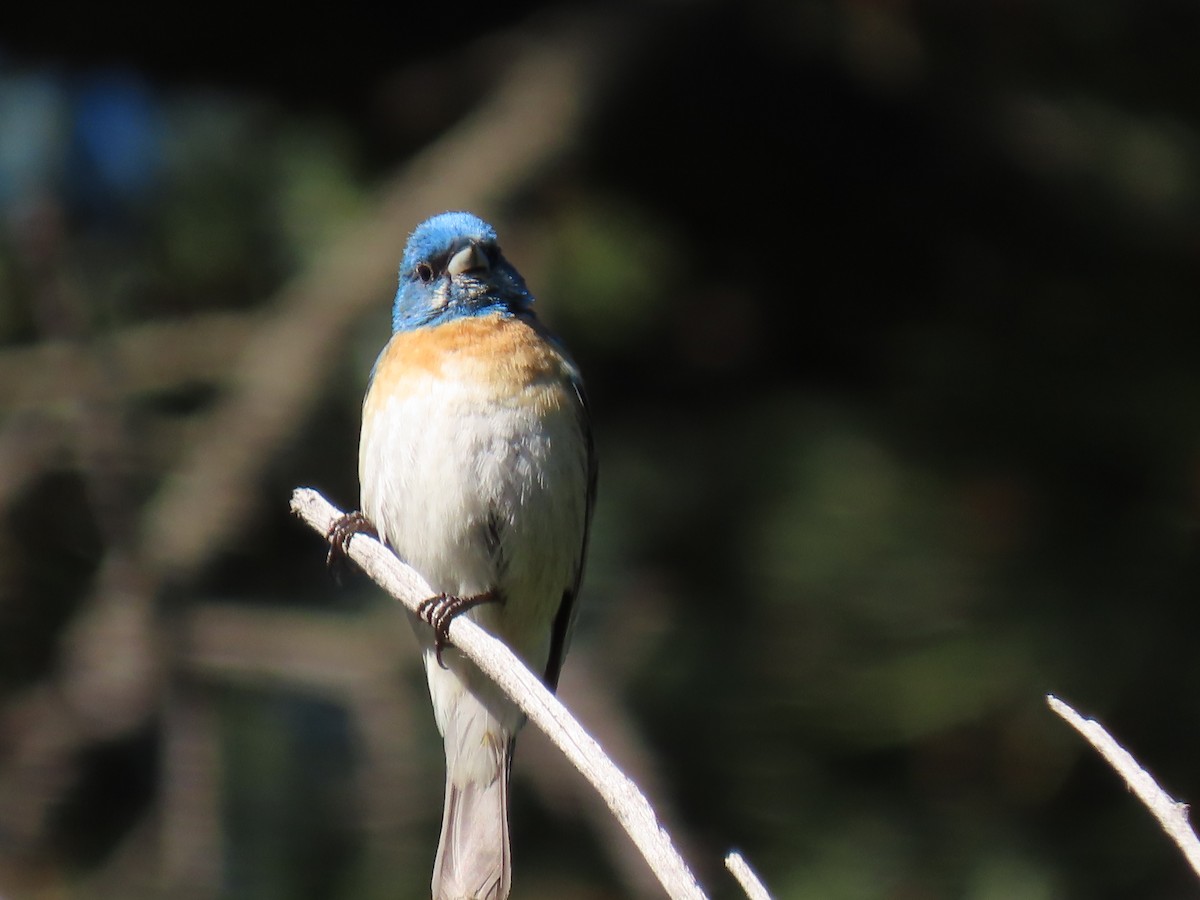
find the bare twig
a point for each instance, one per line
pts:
(746, 877)
(588, 692)
(494, 658)
(1171, 814)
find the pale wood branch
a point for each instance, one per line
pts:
(495, 659)
(746, 877)
(1171, 814)
(588, 689)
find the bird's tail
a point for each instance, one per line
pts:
(473, 858)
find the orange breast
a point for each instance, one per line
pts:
(501, 357)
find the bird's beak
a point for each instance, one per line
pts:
(469, 259)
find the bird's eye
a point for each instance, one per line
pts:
(425, 272)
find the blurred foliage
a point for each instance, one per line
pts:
(889, 318)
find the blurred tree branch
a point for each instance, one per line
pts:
(278, 366)
(151, 356)
(350, 660)
(531, 118)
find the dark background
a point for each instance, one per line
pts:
(888, 312)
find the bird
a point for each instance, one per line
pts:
(477, 468)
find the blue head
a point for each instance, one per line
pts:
(452, 267)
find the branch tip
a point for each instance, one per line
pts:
(1172, 815)
(746, 877)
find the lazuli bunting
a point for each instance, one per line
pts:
(477, 468)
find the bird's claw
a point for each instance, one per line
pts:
(342, 530)
(442, 609)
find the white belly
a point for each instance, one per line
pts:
(481, 493)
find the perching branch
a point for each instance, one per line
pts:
(1171, 814)
(499, 663)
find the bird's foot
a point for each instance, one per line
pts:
(342, 530)
(440, 610)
